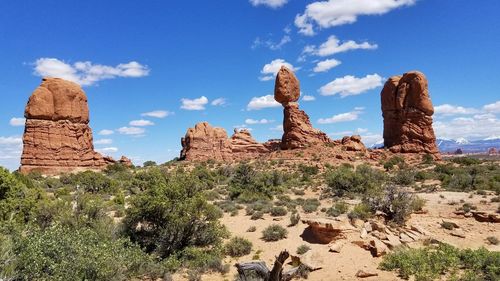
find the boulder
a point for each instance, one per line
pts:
(204, 142)
(286, 87)
(407, 111)
(57, 137)
(353, 143)
(324, 231)
(365, 274)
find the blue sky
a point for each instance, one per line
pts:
(192, 61)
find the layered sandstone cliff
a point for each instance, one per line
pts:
(57, 137)
(407, 110)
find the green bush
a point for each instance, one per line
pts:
(93, 182)
(396, 203)
(302, 249)
(278, 211)
(310, 205)
(432, 263)
(274, 232)
(238, 247)
(393, 161)
(149, 163)
(294, 219)
(360, 211)
(60, 253)
(346, 181)
(169, 217)
(404, 177)
(338, 209)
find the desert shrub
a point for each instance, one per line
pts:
(361, 211)
(93, 182)
(17, 201)
(170, 217)
(149, 163)
(427, 159)
(294, 219)
(404, 177)
(115, 168)
(448, 225)
(466, 161)
(238, 247)
(252, 228)
(307, 171)
(395, 202)
(257, 215)
(492, 240)
(278, 211)
(61, 253)
(227, 206)
(393, 161)
(274, 232)
(432, 263)
(302, 249)
(337, 209)
(248, 185)
(310, 205)
(346, 181)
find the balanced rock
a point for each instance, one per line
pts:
(298, 131)
(407, 110)
(57, 137)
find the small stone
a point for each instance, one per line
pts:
(336, 246)
(368, 226)
(364, 233)
(458, 233)
(403, 237)
(364, 274)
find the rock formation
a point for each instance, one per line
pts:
(57, 137)
(205, 142)
(298, 131)
(244, 146)
(407, 110)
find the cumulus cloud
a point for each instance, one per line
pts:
(326, 65)
(308, 98)
(194, 104)
(270, 70)
(15, 121)
(278, 128)
(325, 14)
(218, 102)
(370, 139)
(11, 140)
(448, 109)
(106, 150)
(141, 123)
(241, 127)
(342, 117)
(257, 103)
(103, 141)
(157, 113)
(86, 73)
(350, 85)
(269, 3)
(131, 131)
(105, 132)
(270, 43)
(493, 107)
(250, 121)
(478, 126)
(10, 151)
(334, 46)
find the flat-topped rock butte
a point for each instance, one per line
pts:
(57, 137)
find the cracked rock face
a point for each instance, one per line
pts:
(407, 110)
(298, 130)
(57, 137)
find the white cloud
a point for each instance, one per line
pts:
(448, 109)
(15, 121)
(106, 150)
(271, 44)
(371, 139)
(11, 140)
(474, 127)
(326, 65)
(493, 107)
(141, 123)
(261, 121)
(218, 102)
(86, 73)
(270, 70)
(342, 117)
(157, 113)
(350, 85)
(308, 98)
(334, 46)
(258, 103)
(331, 13)
(270, 3)
(194, 104)
(278, 128)
(131, 131)
(103, 141)
(105, 132)
(242, 126)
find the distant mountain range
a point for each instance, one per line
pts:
(468, 146)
